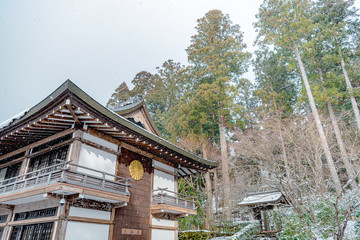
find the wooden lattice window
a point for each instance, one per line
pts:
(10, 172)
(48, 159)
(48, 212)
(41, 231)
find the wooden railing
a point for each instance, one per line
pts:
(61, 172)
(164, 196)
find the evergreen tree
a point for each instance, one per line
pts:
(218, 58)
(121, 94)
(288, 24)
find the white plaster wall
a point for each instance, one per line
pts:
(96, 159)
(159, 234)
(89, 213)
(163, 222)
(100, 141)
(86, 231)
(164, 180)
(164, 166)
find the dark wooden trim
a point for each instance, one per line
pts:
(56, 146)
(38, 143)
(12, 162)
(145, 154)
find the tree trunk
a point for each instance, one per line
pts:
(339, 139)
(344, 155)
(350, 89)
(278, 117)
(319, 127)
(216, 191)
(225, 169)
(209, 194)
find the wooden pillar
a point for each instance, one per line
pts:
(75, 149)
(6, 230)
(25, 162)
(176, 220)
(266, 220)
(111, 228)
(62, 223)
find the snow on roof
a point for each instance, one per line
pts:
(13, 118)
(133, 101)
(266, 197)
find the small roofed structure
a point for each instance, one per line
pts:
(262, 205)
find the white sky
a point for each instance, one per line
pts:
(97, 44)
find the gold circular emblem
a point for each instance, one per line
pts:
(136, 170)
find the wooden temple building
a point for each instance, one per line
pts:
(71, 169)
(261, 205)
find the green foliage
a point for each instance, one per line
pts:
(143, 83)
(193, 187)
(171, 82)
(276, 86)
(284, 22)
(195, 235)
(122, 93)
(218, 58)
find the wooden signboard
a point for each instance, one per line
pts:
(130, 231)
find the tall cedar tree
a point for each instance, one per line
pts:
(287, 24)
(276, 89)
(218, 58)
(338, 28)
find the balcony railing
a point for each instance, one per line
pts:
(164, 196)
(61, 173)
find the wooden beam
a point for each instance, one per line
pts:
(163, 227)
(34, 221)
(6, 206)
(45, 140)
(53, 147)
(89, 220)
(158, 208)
(73, 114)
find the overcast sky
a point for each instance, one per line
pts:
(97, 44)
